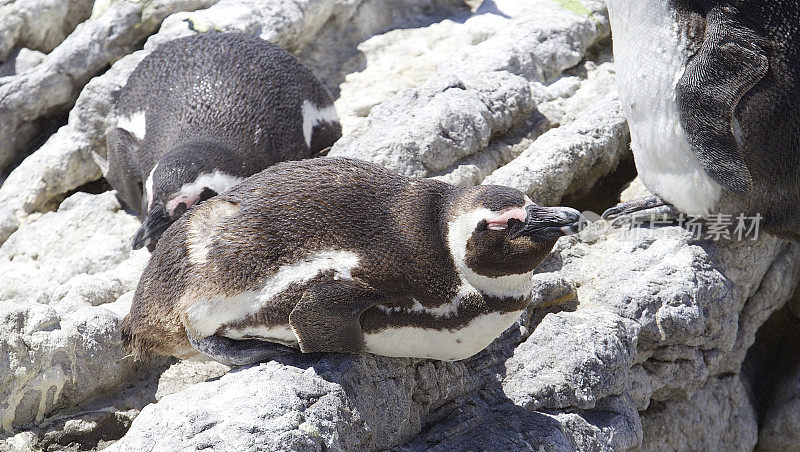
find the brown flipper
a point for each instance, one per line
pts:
(327, 317)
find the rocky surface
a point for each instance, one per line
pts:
(781, 426)
(39, 24)
(636, 336)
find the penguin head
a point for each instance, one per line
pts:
(182, 179)
(496, 232)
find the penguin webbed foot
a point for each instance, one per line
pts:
(647, 208)
(232, 352)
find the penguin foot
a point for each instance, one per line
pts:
(651, 207)
(232, 352)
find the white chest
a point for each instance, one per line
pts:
(650, 56)
(445, 345)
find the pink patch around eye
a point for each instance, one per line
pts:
(501, 222)
(189, 200)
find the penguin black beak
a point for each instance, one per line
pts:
(549, 223)
(152, 227)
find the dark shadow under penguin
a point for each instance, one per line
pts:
(201, 113)
(339, 255)
(711, 90)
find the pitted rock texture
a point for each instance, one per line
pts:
(75, 256)
(483, 90)
(51, 361)
(634, 339)
(61, 347)
(718, 416)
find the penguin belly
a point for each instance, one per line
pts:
(263, 314)
(443, 344)
(647, 82)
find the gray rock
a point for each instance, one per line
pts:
(302, 403)
(50, 361)
(64, 162)
(571, 158)
(97, 423)
(685, 296)
(407, 57)
(552, 369)
(560, 103)
(19, 61)
(718, 416)
(39, 24)
(479, 93)
(78, 256)
(60, 349)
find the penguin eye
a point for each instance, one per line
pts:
(482, 226)
(207, 193)
(179, 210)
(514, 224)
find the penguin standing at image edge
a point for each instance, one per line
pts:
(710, 91)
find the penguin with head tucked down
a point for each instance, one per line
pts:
(201, 113)
(710, 90)
(339, 255)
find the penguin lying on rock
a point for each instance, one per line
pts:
(711, 90)
(339, 255)
(201, 113)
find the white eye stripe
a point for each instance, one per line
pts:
(216, 180)
(459, 231)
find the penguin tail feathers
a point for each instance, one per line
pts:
(101, 162)
(131, 341)
(144, 343)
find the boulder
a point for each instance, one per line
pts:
(77, 256)
(477, 94)
(39, 24)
